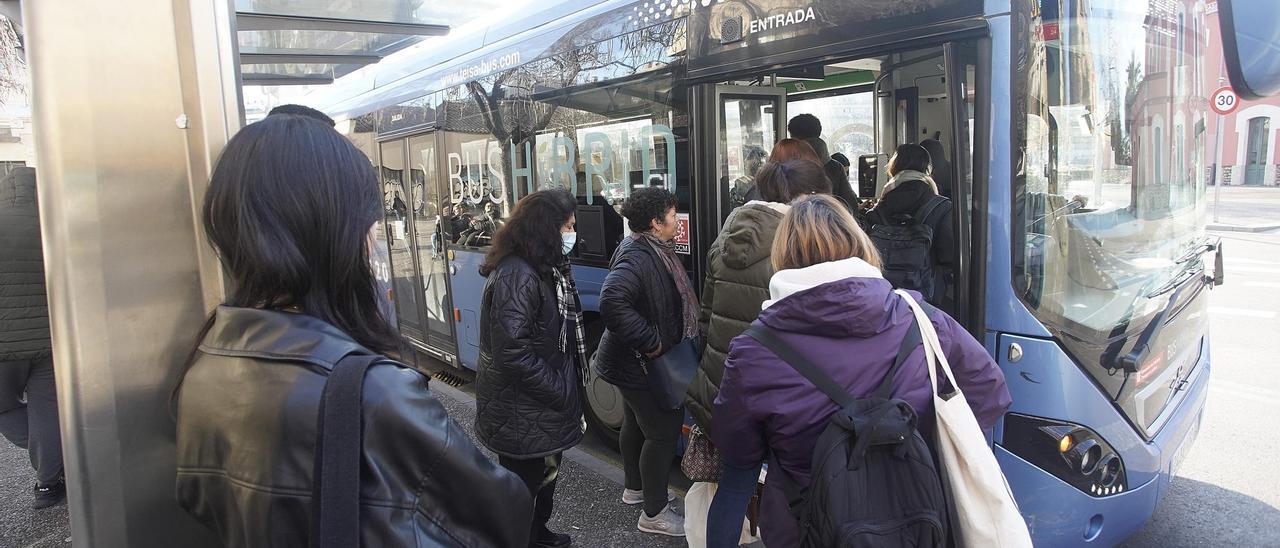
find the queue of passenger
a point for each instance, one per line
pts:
(337, 444)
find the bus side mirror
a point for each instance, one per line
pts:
(1251, 46)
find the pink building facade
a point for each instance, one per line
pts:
(1250, 148)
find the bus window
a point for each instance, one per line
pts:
(475, 189)
(848, 123)
(1112, 199)
(551, 124)
(746, 137)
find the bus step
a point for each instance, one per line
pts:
(449, 379)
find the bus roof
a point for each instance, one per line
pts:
(473, 50)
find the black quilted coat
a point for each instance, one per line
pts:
(640, 305)
(528, 395)
(24, 310)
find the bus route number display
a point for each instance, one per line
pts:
(1224, 101)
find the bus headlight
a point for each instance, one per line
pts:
(1072, 453)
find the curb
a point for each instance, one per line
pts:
(1241, 228)
(591, 462)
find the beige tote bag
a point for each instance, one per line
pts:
(986, 513)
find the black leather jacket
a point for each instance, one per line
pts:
(528, 396)
(246, 435)
(640, 305)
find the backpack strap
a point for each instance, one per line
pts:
(876, 217)
(335, 481)
(801, 364)
(909, 344)
(925, 214)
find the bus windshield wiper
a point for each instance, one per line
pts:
(1186, 272)
(1134, 358)
(1204, 246)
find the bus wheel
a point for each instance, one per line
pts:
(604, 406)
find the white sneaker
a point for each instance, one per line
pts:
(636, 496)
(667, 522)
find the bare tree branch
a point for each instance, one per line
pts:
(13, 68)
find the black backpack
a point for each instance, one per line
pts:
(906, 244)
(874, 480)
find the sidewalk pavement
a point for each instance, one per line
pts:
(1244, 209)
(588, 503)
(588, 497)
(21, 526)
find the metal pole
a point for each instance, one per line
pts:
(127, 292)
(1217, 148)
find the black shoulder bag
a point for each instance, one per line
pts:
(669, 375)
(335, 481)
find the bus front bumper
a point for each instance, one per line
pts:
(1061, 515)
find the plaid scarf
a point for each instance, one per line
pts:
(567, 300)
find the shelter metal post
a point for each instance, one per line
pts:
(131, 107)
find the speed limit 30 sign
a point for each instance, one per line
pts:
(1224, 101)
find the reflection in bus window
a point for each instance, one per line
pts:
(848, 125)
(1113, 188)
(549, 124)
(747, 136)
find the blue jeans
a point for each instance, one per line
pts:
(729, 507)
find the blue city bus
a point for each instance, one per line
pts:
(1074, 132)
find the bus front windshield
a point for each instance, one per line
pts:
(1110, 190)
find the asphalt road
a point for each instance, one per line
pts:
(1227, 492)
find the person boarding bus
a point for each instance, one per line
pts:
(830, 305)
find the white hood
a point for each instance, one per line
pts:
(787, 282)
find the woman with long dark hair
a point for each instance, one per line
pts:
(528, 383)
(290, 209)
(649, 306)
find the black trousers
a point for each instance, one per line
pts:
(648, 442)
(540, 475)
(32, 425)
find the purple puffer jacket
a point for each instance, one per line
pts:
(852, 328)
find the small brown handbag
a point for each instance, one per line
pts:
(701, 460)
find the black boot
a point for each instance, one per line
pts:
(547, 539)
(49, 494)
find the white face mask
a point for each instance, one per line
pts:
(567, 241)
